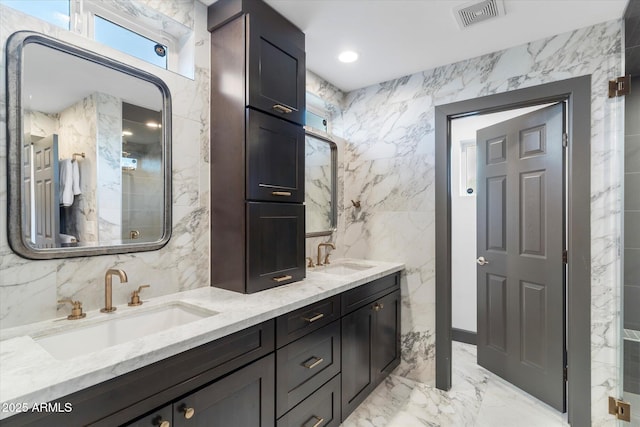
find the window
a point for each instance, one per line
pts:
(316, 121)
(56, 12)
(468, 168)
(129, 42)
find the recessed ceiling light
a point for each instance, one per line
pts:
(127, 133)
(348, 56)
(154, 125)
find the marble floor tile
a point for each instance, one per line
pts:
(477, 398)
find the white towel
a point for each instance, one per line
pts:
(76, 178)
(66, 182)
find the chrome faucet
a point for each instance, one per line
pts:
(108, 304)
(331, 245)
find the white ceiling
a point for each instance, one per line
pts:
(399, 37)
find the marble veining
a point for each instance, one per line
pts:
(30, 374)
(477, 398)
(29, 289)
(389, 136)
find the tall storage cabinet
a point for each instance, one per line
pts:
(257, 147)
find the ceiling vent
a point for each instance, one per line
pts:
(472, 13)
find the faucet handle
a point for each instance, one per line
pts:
(310, 264)
(76, 310)
(135, 296)
(326, 259)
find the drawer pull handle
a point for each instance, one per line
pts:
(188, 412)
(281, 193)
(314, 318)
(378, 306)
(282, 109)
(158, 421)
(316, 361)
(282, 278)
(316, 424)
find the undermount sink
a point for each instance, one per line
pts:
(343, 269)
(119, 329)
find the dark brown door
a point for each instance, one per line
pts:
(275, 159)
(242, 399)
(47, 212)
(386, 351)
(275, 245)
(276, 69)
(520, 210)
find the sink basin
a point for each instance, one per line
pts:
(343, 269)
(120, 328)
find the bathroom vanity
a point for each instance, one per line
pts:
(306, 353)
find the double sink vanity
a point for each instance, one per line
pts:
(274, 341)
(306, 353)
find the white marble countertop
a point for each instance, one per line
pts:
(30, 375)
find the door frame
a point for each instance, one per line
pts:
(577, 93)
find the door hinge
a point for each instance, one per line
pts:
(620, 86)
(620, 408)
(565, 140)
(565, 257)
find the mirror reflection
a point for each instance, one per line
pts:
(320, 183)
(94, 167)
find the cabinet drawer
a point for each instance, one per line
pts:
(298, 323)
(275, 159)
(304, 365)
(275, 245)
(365, 294)
(321, 409)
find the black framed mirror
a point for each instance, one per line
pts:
(89, 152)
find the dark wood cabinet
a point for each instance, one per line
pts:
(370, 343)
(326, 363)
(304, 365)
(275, 245)
(274, 77)
(242, 399)
(275, 159)
(257, 144)
(322, 408)
(276, 69)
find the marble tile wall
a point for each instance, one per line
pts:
(389, 166)
(78, 132)
(109, 189)
(29, 289)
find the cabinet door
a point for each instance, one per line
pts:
(357, 373)
(370, 348)
(275, 159)
(386, 345)
(242, 399)
(276, 68)
(275, 245)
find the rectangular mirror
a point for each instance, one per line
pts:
(320, 183)
(89, 152)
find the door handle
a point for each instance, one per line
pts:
(282, 109)
(313, 362)
(482, 261)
